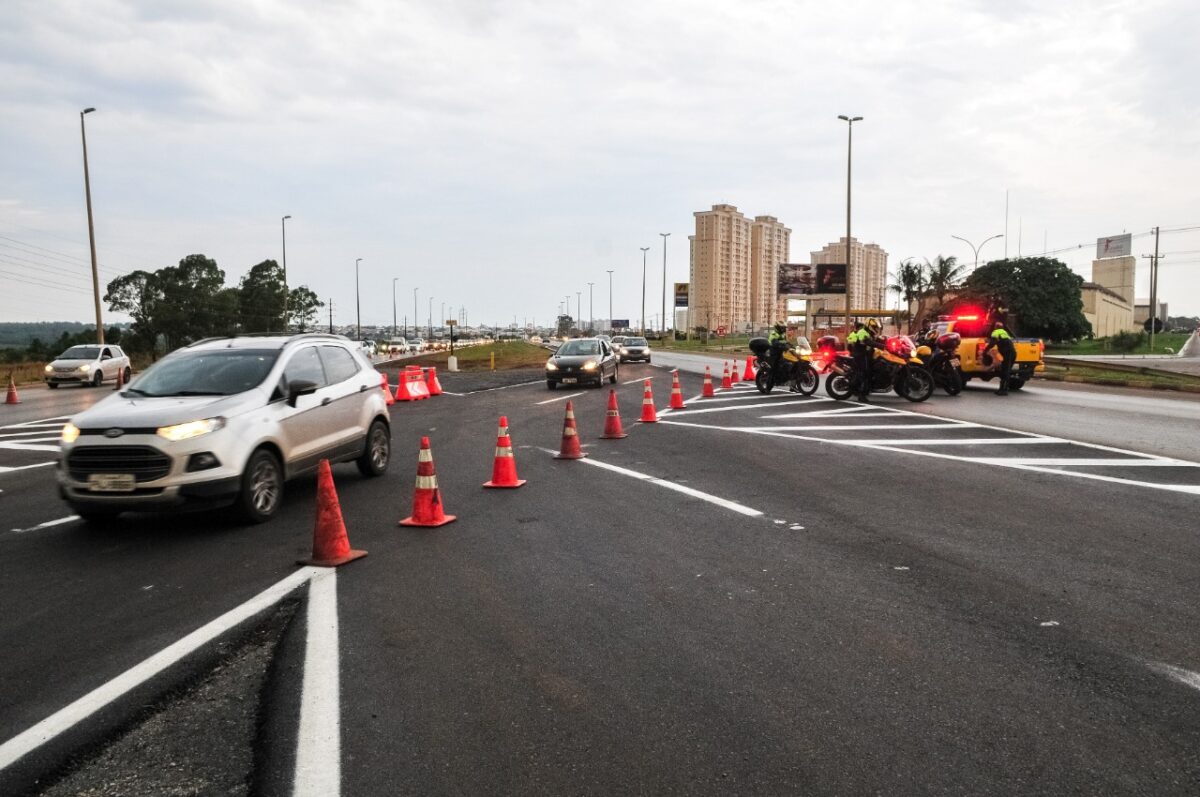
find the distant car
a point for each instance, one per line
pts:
(369, 348)
(88, 365)
(226, 421)
(632, 349)
(581, 360)
(416, 346)
(616, 342)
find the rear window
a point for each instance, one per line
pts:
(220, 372)
(634, 342)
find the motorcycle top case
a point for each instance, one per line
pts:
(759, 346)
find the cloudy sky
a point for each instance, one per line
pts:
(501, 156)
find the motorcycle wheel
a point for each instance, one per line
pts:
(917, 384)
(763, 380)
(838, 386)
(808, 381)
(952, 381)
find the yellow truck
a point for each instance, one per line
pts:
(974, 328)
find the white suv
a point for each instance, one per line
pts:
(226, 421)
(89, 364)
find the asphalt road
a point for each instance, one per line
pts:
(756, 595)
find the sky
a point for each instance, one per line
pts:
(499, 157)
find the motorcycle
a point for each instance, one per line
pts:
(942, 361)
(794, 366)
(894, 367)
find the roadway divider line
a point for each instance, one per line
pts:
(38, 422)
(502, 387)
(852, 428)
(50, 430)
(10, 468)
(1185, 677)
(69, 716)
(1133, 462)
(732, 408)
(319, 740)
(783, 395)
(679, 488)
(962, 441)
(28, 446)
(48, 524)
(558, 398)
(827, 413)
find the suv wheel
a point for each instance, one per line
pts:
(378, 451)
(262, 487)
(98, 379)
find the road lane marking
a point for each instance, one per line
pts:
(735, 407)
(1133, 462)
(28, 446)
(48, 524)
(39, 422)
(67, 717)
(825, 413)
(679, 488)
(558, 398)
(852, 427)
(962, 441)
(635, 381)
(1185, 677)
(502, 387)
(51, 430)
(319, 740)
(10, 468)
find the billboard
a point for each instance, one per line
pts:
(681, 294)
(619, 323)
(807, 279)
(1114, 246)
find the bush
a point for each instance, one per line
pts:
(1126, 341)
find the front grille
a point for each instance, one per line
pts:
(145, 463)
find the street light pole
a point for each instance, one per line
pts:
(610, 323)
(87, 190)
(357, 303)
(429, 320)
(849, 149)
(394, 306)
(663, 327)
(976, 249)
(283, 232)
(591, 310)
(644, 249)
(579, 306)
(416, 318)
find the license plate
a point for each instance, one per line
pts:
(569, 380)
(111, 482)
(955, 362)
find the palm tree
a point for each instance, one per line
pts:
(944, 275)
(909, 284)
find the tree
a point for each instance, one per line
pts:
(943, 275)
(263, 298)
(909, 282)
(138, 295)
(303, 305)
(1042, 292)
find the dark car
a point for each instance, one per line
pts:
(634, 349)
(581, 360)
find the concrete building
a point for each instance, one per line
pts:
(868, 275)
(1141, 312)
(1105, 309)
(769, 246)
(719, 294)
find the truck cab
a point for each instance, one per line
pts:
(975, 328)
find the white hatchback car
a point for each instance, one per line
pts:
(88, 364)
(226, 421)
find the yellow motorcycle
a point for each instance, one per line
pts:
(794, 366)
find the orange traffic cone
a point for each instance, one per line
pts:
(120, 380)
(748, 374)
(725, 383)
(504, 469)
(331, 546)
(570, 440)
(387, 389)
(612, 420)
(427, 500)
(708, 391)
(12, 392)
(733, 373)
(432, 383)
(676, 392)
(648, 413)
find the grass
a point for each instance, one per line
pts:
(726, 344)
(1097, 374)
(23, 373)
(1098, 346)
(510, 355)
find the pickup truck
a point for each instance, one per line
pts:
(975, 329)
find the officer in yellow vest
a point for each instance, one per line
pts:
(860, 342)
(1002, 342)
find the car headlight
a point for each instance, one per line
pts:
(85, 368)
(49, 369)
(550, 366)
(186, 431)
(70, 433)
(590, 365)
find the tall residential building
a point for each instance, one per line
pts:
(769, 242)
(868, 275)
(720, 295)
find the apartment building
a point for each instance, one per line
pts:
(720, 273)
(868, 275)
(769, 246)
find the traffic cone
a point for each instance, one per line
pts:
(120, 380)
(733, 373)
(504, 469)
(708, 391)
(431, 382)
(387, 389)
(331, 546)
(427, 500)
(12, 392)
(612, 420)
(648, 413)
(725, 383)
(748, 374)
(570, 440)
(676, 392)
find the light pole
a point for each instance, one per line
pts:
(644, 249)
(394, 306)
(591, 310)
(579, 306)
(975, 248)
(849, 148)
(416, 318)
(443, 321)
(663, 326)
(283, 232)
(87, 190)
(357, 303)
(429, 320)
(610, 323)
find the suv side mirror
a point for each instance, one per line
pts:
(298, 388)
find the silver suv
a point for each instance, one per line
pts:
(226, 421)
(89, 364)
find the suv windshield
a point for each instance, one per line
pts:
(80, 353)
(574, 347)
(221, 372)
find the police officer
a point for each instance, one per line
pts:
(861, 341)
(777, 339)
(1002, 342)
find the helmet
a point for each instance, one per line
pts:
(858, 325)
(873, 326)
(780, 327)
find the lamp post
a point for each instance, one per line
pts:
(975, 248)
(579, 306)
(443, 321)
(283, 233)
(429, 320)
(591, 310)
(644, 249)
(610, 323)
(357, 303)
(87, 191)
(394, 306)
(849, 149)
(663, 323)
(416, 317)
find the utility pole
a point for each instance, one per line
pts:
(644, 249)
(663, 324)
(849, 151)
(591, 310)
(87, 190)
(1152, 310)
(610, 323)
(330, 315)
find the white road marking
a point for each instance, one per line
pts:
(857, 408)
(319, 740)
(635, 381)
(28, 446)
(50, 430)
(679, 488)
(962, 441)
(851, 427)
(558, 398)
(48, 524)
(756, 395)
(69, 716)
(732, 407)
(39, 422)
(505, 387)
(1185, 677)
(10, 468)
(1096, 462)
